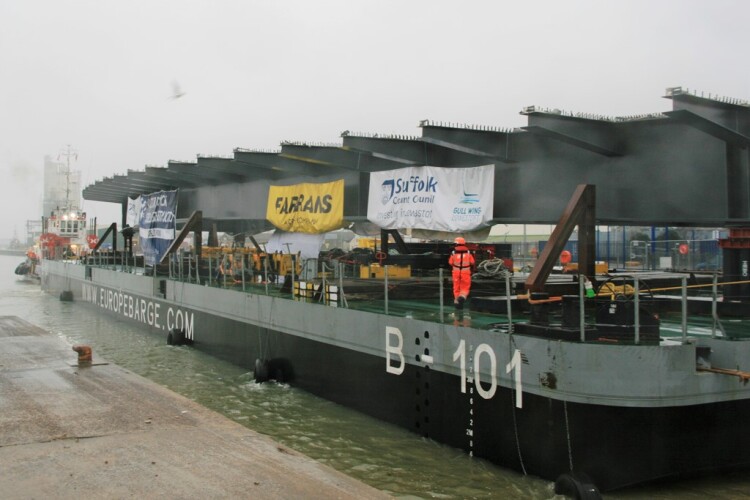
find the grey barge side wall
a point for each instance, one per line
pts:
(617, 375)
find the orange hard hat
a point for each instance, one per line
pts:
(565, 257)
(460, 241)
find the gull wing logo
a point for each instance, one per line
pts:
(387, 190)
(467, 196)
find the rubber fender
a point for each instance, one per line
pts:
(261, 370)
(176, 337)
(66, 296)
(577, 486)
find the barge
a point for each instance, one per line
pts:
(621, 413)
(593, 390)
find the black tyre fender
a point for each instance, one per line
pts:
(261, 370)
(577, 486)
(176, 337)
(66, 296)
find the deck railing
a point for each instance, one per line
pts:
(378, 289)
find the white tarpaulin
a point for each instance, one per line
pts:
(441, 199)
(308, 245)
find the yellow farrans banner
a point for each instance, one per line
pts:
(307, 208)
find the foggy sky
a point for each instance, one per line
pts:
(98, 74)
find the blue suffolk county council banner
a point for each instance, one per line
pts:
(435, 198)
(157, 223)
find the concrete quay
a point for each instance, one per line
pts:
(104, 432)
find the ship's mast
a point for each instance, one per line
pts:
(68, 153)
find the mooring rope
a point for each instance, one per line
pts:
(492, 268)
(567, 434)
(511, 346)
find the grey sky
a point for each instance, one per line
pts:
(97, 74)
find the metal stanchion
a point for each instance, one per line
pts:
(294, 261)
(637, 307)
(265, 272)
(243, 271)
(385, 291)
(508, 303)
(714, 311)
(197, 269)
(440, 277)
(582, 305)
(684, 309)
(343, 302)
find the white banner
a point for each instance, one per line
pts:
(134, 212)
(443, 199)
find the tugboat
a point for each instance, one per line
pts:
(65, 234)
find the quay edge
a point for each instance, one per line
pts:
(71, 431)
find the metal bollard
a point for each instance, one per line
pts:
(84, 354)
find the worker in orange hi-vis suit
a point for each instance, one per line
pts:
(462, 263)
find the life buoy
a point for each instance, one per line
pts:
(380, 257)
(92, 240)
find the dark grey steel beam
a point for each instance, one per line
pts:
(709, 127)
(109, 190)
(551, 134)
(598, 136)
(175, 179)
(401, 152)
(272, 161)
(137, 180)
(337, 157)
(90, 195)
(416, 151)
(199, 176)
(649, 170)
(104, 189)
(485, 144)
(182, 163)
(232, 171)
